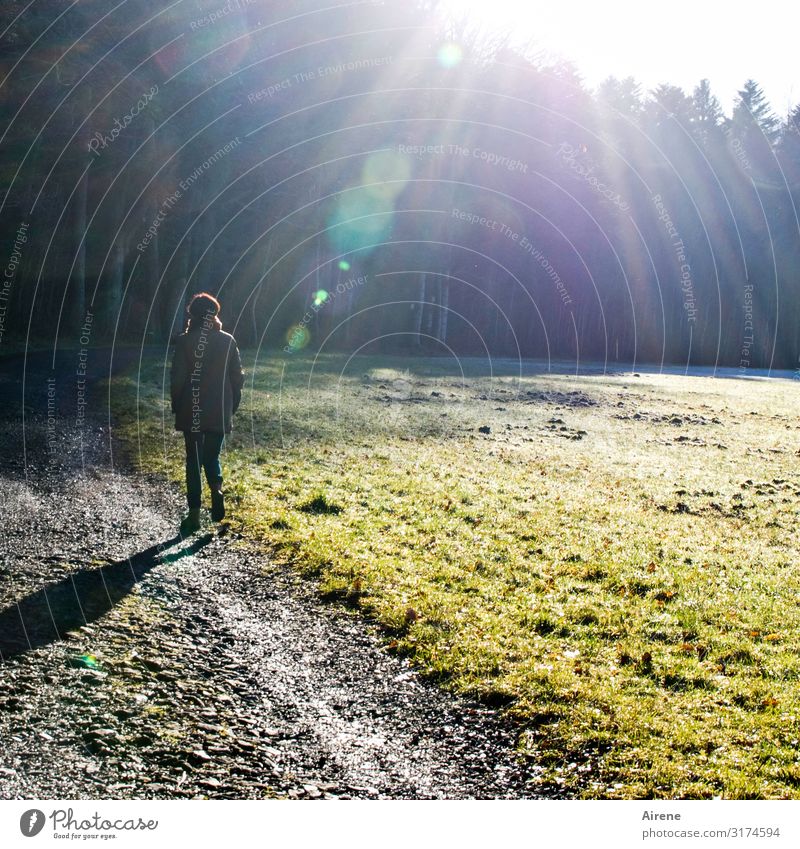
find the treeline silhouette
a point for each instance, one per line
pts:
(377, 177)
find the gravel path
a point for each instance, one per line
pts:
(137, 665)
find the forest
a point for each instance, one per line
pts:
(379, 177)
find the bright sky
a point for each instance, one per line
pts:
(674, 41)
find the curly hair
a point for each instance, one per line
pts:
(203, 309)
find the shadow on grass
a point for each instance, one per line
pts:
(48, 614)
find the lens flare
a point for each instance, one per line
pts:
(386, 173)
(297, 337)
(363, 216)
(344, 265)
(320, 298)
(449, 55)
(360, 220)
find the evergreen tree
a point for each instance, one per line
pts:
(789, 149)
(753, 111)
(623, 96)
(707, 113)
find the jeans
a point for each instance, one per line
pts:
(202, 450)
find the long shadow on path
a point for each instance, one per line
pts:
(48, 614)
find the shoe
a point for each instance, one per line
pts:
(217, 505)
(191, 522)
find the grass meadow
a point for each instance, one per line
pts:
(613, 559)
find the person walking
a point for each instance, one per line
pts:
(206, 388)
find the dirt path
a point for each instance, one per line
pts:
(136, 665)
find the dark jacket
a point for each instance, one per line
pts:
(207, 380)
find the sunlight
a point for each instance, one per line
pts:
(582, 31)
(652, 43)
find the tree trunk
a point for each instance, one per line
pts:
(152, 270)
(257, 293)
(420, 306)
(77, 282)
(114, 286)
(443, 310)
(429, 312)
(178, 293)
